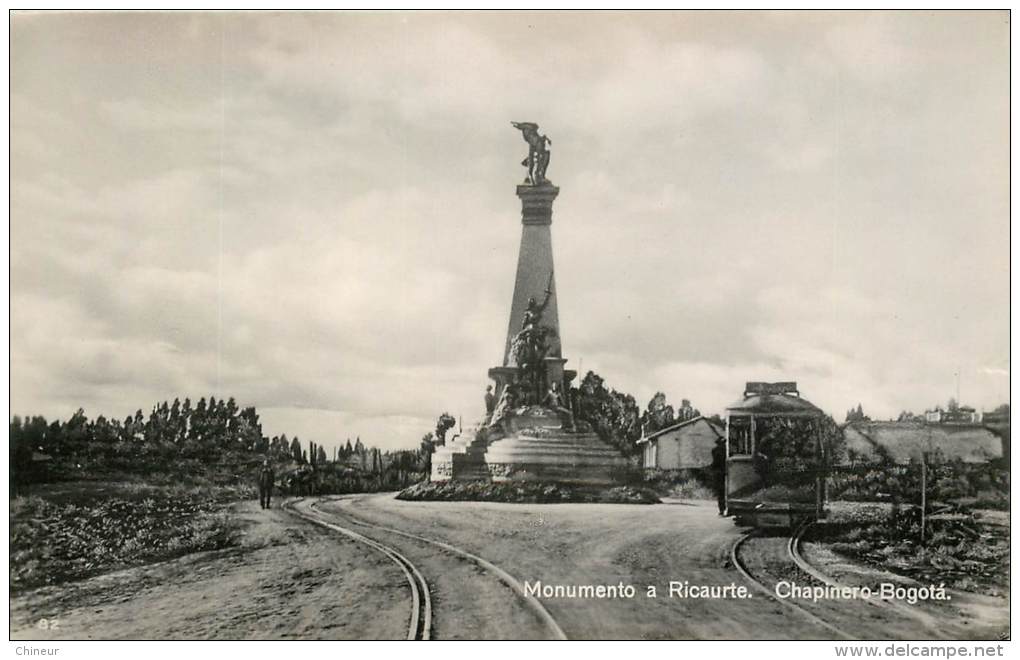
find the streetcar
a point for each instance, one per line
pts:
(776, 457)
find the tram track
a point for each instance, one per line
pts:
(794, 550)
(890, 610)
(535, 605)
(765, 589)
(420, 623)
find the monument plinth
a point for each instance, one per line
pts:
(531, 433)
(536, 203)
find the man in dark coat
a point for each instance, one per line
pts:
(266, 478)
(719, 474)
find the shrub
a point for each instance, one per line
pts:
(51, 542)
(690, 483)
(957, 549)
(950, 481)
(533, 492)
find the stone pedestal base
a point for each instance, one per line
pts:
(578, 458)
(532, 446)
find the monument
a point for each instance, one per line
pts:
(529, 430)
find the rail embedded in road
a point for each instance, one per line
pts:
(793, 548)
(420, 626)
(762, 588)
(507, 579)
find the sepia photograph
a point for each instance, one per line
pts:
(510, 325)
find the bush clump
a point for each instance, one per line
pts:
(52, 542)
(687, 484)
(958, 548)
(525, 492)
(981, 485)
(784, 493)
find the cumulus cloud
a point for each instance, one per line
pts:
(314, 213)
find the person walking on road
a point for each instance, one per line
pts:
(719, 474)
(266, 478)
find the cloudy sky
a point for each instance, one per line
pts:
(315, 214)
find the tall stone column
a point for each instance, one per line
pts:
(535, 265)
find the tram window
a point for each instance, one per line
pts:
(740, 440)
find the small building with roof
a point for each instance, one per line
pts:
(683, 446)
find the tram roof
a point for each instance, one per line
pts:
(773, 405)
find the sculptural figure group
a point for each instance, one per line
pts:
(530, 345)
(528, 350)
(537, 161)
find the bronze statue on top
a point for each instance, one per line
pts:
(537, 161)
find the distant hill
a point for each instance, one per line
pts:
(970, 443)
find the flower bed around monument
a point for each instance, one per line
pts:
(525, 492)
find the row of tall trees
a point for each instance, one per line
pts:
(174, 436)
(201, 431)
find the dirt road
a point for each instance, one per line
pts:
(593, 544)
(292, 579)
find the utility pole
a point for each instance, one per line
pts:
(924, 493)
(924, 485)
